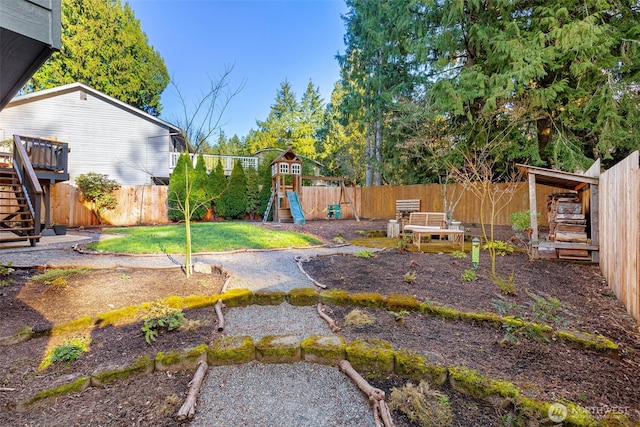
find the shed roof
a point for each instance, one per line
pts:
(556, 178)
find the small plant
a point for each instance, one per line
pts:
(124, 276)
(403, 244)
(361, 232)
(507, 286)
(422, 405)
(161, 316)
(339, 240)
(459, 254)
(501, 248)
(57, 277)
(5, 270)
(69, 351)
(504, 307)
(546, 309)
(359, 318)
(399, 316)
(409, 277)
(469, 275)
(521, 224)
(364, 254)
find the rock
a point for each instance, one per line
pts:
(200, 267)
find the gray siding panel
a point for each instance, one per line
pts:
(103, 137)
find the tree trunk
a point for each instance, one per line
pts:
(544, 134)
(188, 408)
(377, 176)
(368, 156)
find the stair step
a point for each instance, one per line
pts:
(14, 229)
(19, 238)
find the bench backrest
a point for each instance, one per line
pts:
(428, 219)
(408, 205)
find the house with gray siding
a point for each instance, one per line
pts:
(104, 135)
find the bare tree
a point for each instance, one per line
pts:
(203, 118)
(493, 189)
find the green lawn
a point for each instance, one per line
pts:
(205, 237)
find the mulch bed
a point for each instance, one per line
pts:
(547, 370)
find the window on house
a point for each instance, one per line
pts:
(284, 167)
(295, 169)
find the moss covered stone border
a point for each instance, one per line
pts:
(310, 296)
(375, 358)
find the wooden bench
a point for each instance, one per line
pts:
(431, 224)
(404, 208)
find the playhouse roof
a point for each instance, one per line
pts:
(288, 156)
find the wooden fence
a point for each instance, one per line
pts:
(619, 231)
(143, 204)
(379, 202)
(148, 204)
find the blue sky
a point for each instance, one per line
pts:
(266, 41)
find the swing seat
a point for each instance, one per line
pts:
(333, 211)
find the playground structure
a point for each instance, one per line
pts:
(286, 182)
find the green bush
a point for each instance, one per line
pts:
(161, 316)
(217, 185)
(98, 190)
(177, 189)
(253, 192)
(233, 203)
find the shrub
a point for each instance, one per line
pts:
(469, 275)
(161, 316)
(177, 187)
(233, 203)
(98, 190)
(364, 254)
(217, 185)
(422, 405)
(253, 193)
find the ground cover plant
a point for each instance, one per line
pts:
(438, 327)
(206, 237)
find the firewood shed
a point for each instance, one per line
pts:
(572, 213)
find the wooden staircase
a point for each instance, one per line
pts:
(16, 218)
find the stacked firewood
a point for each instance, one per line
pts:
(567, 223)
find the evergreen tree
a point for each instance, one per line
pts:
(264, 175)
(291, 123)
(217, 186)
(104, 47)
(233, 202)
(201, 194)
(341, 146)
(177, 187)
(253, 192)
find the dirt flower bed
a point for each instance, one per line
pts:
(561, 295)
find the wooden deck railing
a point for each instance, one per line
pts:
(28, 180)
(211, 159)
(47, 154)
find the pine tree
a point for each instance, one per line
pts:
(201, 194)
(233, 202)
(104, 47)
(177, 187)
(253, 192)
(217, 186)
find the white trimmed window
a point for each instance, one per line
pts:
(296, 169)
(284, 167)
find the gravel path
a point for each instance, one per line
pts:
(252, 394)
